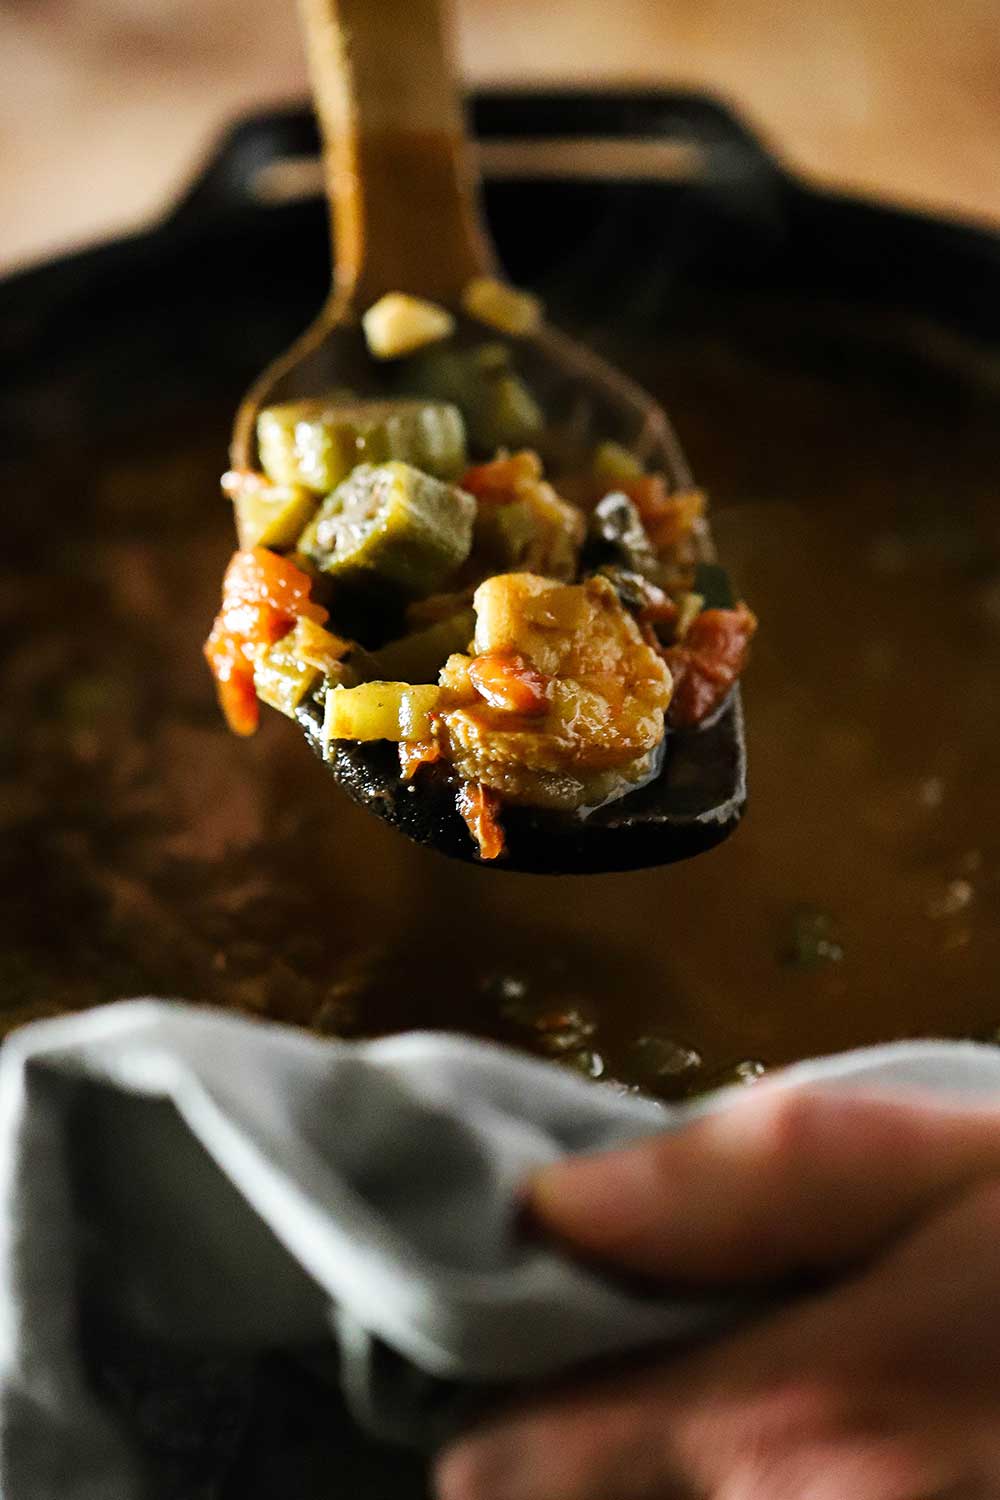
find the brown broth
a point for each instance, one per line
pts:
(145, 851)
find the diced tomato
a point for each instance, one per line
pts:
(659, 609)
(262, 597)
(480, 808)
(272, 586)
(667, 518)
(500, 481)
(705, 666)
(510, 682)
(234, 683)
(416, 753)
(648, 493)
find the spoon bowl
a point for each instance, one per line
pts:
(695, 800)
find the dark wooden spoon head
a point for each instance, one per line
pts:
(693, 803)
(697, 798)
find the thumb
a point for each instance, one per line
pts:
(782, 1181)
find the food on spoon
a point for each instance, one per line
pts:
(507, 680)
(617, 537)
(530, 639)
(391, 523)
(521, 521)
(479, 808)
(380, 711)
(561, 706)
(689, 607)
(267, 514)
(399, 324)
(317, 443)
(707, 662)
(420, 655)
(263, 598)
(288, 671)
(668, 518)
(499, 409)
(508, 415)
(501, 306)
(613, 467)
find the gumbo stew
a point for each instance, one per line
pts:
(853, 468)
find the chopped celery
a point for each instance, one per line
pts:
(380, 711)
(392, 523)
(317, 443)
(294, 666)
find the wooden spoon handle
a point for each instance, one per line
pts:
(402, 194)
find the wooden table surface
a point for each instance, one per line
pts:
(106, 106)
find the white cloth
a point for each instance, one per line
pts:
(207, 1178)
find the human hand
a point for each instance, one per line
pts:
(885, 1386)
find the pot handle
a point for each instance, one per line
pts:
(229, 178)
(272, 156)
(650, 117)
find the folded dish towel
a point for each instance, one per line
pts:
(202, 1178)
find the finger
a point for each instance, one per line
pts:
(926, 1316)
(667, 1434)
(606, 1440)
(782, 1181)
(885, 1385)
(883, 1389)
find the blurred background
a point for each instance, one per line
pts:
(107, 106)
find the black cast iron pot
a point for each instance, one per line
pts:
(124, 339)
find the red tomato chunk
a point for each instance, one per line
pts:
(262, 597)
(508, 681)
(706, 665)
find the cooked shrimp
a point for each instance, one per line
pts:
(590, 711)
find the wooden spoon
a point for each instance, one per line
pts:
(403, 200)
